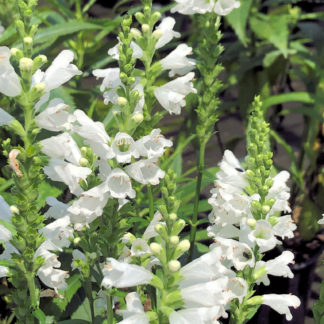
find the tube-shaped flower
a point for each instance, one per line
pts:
(9, 80)
(119, 184)
(5, 118)
(172, 95)
(281, 303)
(166, 28)
(55, 117)
(177, 61)
(122, 275)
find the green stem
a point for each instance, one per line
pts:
(32, 289)
(110, 312)
(201, 168)
(151, 201)
(88, 288)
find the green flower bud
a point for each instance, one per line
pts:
(184, 245)
(174, 265)
(259, 273)
(145, 28)
(139, 17)
(122, 101)
(173, 216)
(251, 222)
(174, 239)
(135, 33)
(156, 248)
(155, 16)
(26, 64)
(138, 118)
(14, 210)
(265, 209)
(16, 53)
(84, 162)
(178, 227)
(157, 34)
(77, 240)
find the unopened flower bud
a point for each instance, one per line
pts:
(145, 28)
(76, 240)
(135, 33)
(138, 118)
(140, 17)
(83, 150)
(265, 209)
(259, 273)
(122, 101)
(273, 220)
(251, 222)
(39, 87)
(83, 162)
(178, 226)
(128, 237)
(157, 34)
(26, 64)
(174, 239)
(28, 40)
(156, 248)
(249, 173)
(156, 16)
(173, 216)
(174, 265)
(14, 210)
(16, 53)
(184, 245)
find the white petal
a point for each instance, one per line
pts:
(5, 118)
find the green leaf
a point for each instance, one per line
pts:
(46, 190)
(187, 209)
(238, 20)
(304, 97)
(273, 28)
(83, 312)
(67, 28)
(42, 318)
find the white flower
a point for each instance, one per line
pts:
(123, 147)
(276, 267)
(5, 118)
(172, 95)
(224, 7)
(9, 80)
(71, 175)
(110, 77)
(232, 173)
(62, 147)
(55, 117)
(321, 221)
(178, 62)
(166, 27)
(119, 184)
(281, 303)
(264, 236)
(206, 268)
(58, 233)
(123, 275)
(239, 253)
(59, 72)
(94, 133)
(114, 51)
(139, 248)
(189, 7)
(3, 271)
(5, 234)
(6, 255)
(57, 209)
(206, 294)
(5, 213)
(285, 227)
(150, 230)
(145, 171)
(153, 145)
(89, 206)
(201, 315)
(50, 276)
(279, 191)
(237, 288)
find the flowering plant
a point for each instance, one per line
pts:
(100, 219)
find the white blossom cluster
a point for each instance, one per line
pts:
(171, 95)
(220, 7)
(233, 223)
